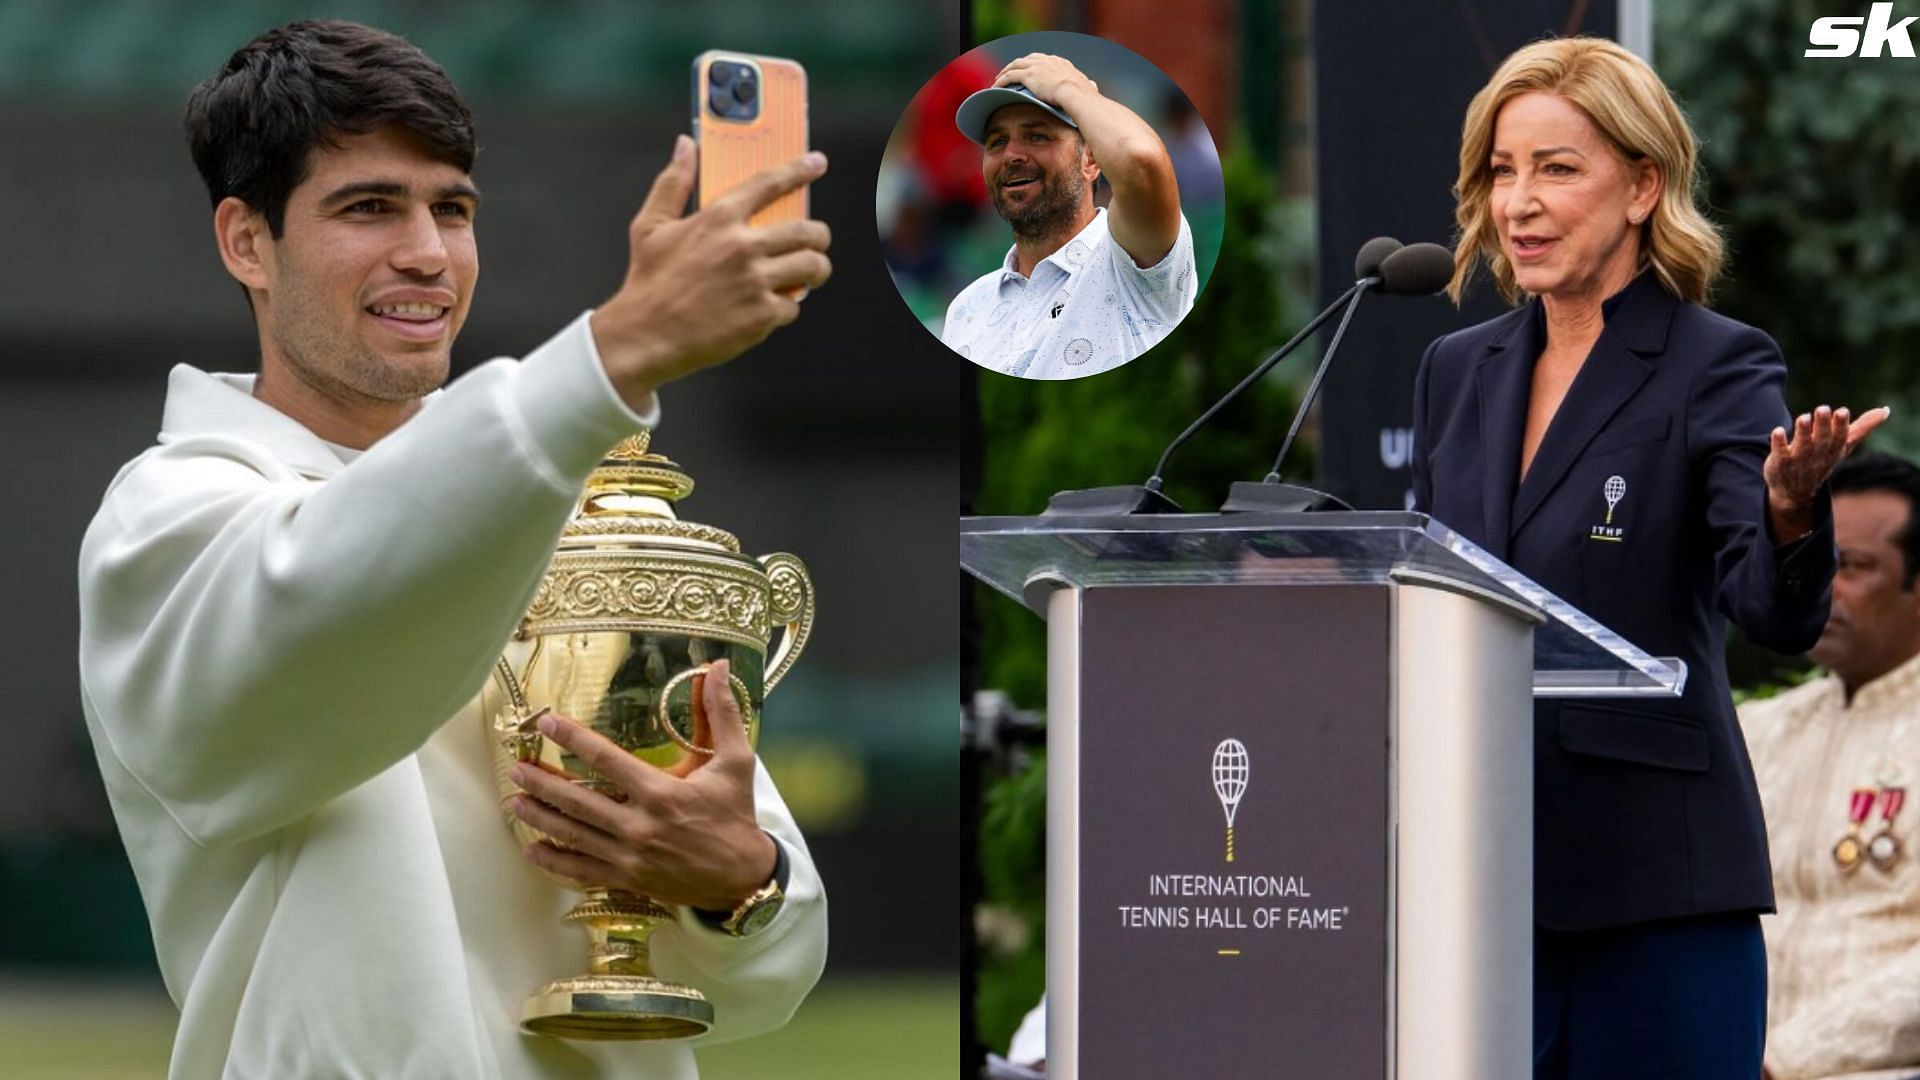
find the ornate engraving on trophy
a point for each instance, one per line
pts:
(633, 606)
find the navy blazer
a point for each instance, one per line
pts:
(1646, 509)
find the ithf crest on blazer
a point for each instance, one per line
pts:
(1614, 490)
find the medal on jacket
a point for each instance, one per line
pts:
(1884, 849)
(1849, 851)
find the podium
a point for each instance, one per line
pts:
(1290, 789)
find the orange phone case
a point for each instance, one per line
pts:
(733, 149)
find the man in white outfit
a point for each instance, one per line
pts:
(289, 605)
(1083, 290)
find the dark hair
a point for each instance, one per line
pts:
(1875, 471)
(252, 126)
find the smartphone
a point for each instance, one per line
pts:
(749, 114)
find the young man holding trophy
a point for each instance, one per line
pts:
(290, 605)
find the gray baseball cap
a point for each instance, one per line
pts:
(979, 108)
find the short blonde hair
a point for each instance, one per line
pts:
(1632, 109)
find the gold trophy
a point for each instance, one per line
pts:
(635, 603)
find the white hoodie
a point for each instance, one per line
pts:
(280, 656)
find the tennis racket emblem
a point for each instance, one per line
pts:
(1230, 769)
(1614, 490)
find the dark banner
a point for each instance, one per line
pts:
(1392, 82)
(1233, 832)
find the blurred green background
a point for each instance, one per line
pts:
(853, 1028)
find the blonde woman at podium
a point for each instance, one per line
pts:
(1631, 451)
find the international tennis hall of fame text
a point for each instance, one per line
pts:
(1232, 900)
(1231, 866)
(1211, 901)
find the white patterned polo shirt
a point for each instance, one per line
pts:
(1086, 309)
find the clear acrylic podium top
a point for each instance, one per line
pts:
(1573, 656)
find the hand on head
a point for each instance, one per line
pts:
(1046, 76)
(702, 288)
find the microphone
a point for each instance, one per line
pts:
(1369, 268)
(1414, 270)
(1366, 262)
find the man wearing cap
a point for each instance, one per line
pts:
(1082, 289)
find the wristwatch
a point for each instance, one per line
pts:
(757, 911)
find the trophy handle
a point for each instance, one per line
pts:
(665, 722)
(790, 600)
(518, 726)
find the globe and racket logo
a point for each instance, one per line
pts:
(1231, 767)
(1614, 489)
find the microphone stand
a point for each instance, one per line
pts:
(1147, 498)
(1271, 495)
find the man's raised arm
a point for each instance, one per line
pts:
(1144, 217)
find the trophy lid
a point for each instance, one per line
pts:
(630, 497)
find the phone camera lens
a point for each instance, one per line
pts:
(719, 73)
(743, 90)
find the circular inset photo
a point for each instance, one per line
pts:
(1038, 201)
